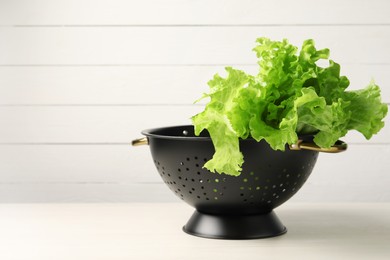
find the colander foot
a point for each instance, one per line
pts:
(234, 227)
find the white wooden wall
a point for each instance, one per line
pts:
(79, 79)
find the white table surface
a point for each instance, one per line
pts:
(153, 231)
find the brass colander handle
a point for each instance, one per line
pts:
(338, 147)
(140, 141)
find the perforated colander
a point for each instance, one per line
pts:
(226, 206)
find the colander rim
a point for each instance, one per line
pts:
(150, 133)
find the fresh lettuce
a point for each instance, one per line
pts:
(290, 95)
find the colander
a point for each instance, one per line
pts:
(229, 207)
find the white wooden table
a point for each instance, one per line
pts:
(153, 231)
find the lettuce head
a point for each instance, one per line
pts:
(290, 95)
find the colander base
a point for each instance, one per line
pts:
(234, 227)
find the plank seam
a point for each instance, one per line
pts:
(193, 25)
(170, 65)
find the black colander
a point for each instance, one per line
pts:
(231, 207)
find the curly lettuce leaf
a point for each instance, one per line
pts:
(223, 122)
(328, 121)
(366, 109)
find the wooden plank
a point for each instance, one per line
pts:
(87, 124)
(123, 12)
(77, 164)
(87, 192)
(181, 45)
(136, 84)
(118, 174)
(153, 231)
(105, 124)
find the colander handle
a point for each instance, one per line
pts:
(140, 141)
(338, 147)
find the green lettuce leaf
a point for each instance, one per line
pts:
(218, 118)
(366, 110)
